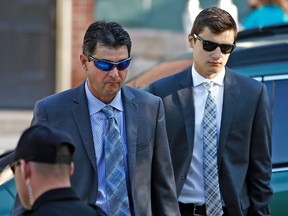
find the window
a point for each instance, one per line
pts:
(278, 92)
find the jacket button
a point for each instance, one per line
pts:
(183, 177)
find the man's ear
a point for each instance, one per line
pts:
(84, 61)
(71, 169)
(191, 40)
(25, 169)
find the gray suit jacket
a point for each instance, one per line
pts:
(244, 154)
(152, 185)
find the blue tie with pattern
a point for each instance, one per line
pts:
(117, 196)
(211, 182)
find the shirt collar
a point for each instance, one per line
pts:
(95, 105)
(198, 79)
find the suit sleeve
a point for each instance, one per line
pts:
(260, 166)
(164, 196)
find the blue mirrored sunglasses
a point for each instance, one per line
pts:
(108, 65)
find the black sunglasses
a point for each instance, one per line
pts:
(108, 65)
(210, 46)
(13, 165)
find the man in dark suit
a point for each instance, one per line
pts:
(146, 163)
(241, 140)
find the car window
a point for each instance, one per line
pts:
(7, 192)
(278, 92)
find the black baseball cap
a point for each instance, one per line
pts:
(40, 143)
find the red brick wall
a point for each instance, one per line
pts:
(82, 17)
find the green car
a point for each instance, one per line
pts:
(7, 186)
(267, 61)
(261, 53)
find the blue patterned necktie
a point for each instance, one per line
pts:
(211, 181)
(117, 196)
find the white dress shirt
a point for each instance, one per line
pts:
(193, 189)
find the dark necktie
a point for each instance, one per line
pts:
(117, 196)
(211, 182)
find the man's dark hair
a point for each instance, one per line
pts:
(108, 34)
(216, 19)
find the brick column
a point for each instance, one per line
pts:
(82, 17)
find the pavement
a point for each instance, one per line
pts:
(12, 124)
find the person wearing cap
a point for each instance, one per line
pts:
(43, 164)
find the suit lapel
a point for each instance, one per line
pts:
(185, 95)
(230, 100)
(82, 119)
(131, 123)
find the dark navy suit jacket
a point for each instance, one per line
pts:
(244, 153)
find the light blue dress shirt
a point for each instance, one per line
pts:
(99, 124)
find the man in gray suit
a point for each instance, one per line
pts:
(242, 150)
(149, 177)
